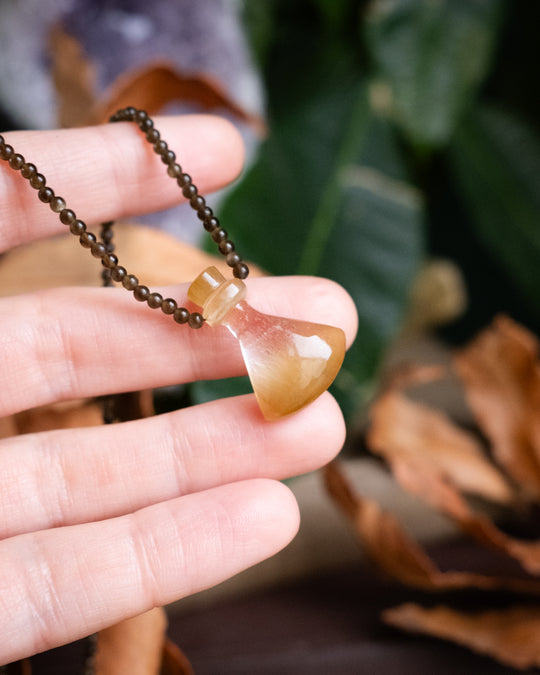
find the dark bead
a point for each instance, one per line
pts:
(211, 224)
(109, 260)
(28, 169)
(141, 293)
(130, 113)
(219, 235)
(181, 315)
(45, 194)
(174, 170)
(226, 247)
(57, 204)
(146, 124)
(160, 147)
(6, 151)
(106, 277)
(16, 161)
(2, 140)
(130, 282)
(107, 233)
(118, 273)
(77, 227)
(189, 191)
(205, 213)
(87, 239)
(154, 300)
(152, 135)
(168, 306)
(168, 157)
(195, 320)
(183, 180)
(98, 249)
(197, 202)
(67, 216)
(141, 116)
(109, 246)
(232, 259)
(37, 181)
(240, 270)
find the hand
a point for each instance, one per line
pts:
(100, 524)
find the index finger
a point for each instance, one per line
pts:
(110, 171)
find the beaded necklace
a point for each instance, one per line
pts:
(290, 363)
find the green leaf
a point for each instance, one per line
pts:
(432, 55)
(496, 161)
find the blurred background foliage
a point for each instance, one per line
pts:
(399, 131)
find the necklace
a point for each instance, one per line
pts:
(290, 362)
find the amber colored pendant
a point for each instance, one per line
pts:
(289, 362)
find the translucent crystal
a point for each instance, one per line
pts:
(289, 362)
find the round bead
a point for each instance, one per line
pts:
(130, 282)
(232, 259)
(16, 161)
(168, 157)
(77, 227)
(174, 170)
(160, 147)
(130, 112)
(240, 270)
(226, 247)
(181, 315)
(146, 124)
(2, 140)
(189, 191)
(152, 135)
(195, 320)
(197, 202)
(98, 249)
(204, 213)
(183, 180)
(67, 216)
(141, 293)
(168, 306)
(154, 300)
(28, 169)
(57, 204)
(118, 273)
(45, 194)
(211, 224)
(141, 116)
(6, 151)
(37, 181)
(109, 260)
(219, 235)
(87, 239)
(107, 233)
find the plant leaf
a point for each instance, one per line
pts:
(512, 636)
(432, 56)
(496, 161)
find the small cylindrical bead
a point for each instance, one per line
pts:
(130, 282)
(154, 300)
(77, 227)
(87, 239)
(45, 194)
(181, 315)
(67, 216)
(195, 320)
(168, 306)
(141, 293)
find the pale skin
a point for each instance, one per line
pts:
(100, 524)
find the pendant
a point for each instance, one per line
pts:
(289, 362)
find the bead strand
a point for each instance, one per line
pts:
(104, 248)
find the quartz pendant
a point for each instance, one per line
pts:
(289, 362)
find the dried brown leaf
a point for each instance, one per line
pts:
(407, 431)
(501, 374)
(388, 545)
(74, 78)
(511, 636)
(132, 646)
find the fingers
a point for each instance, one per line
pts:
(110, 171)
(78, 475)
(62, 584)
(70, 343)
